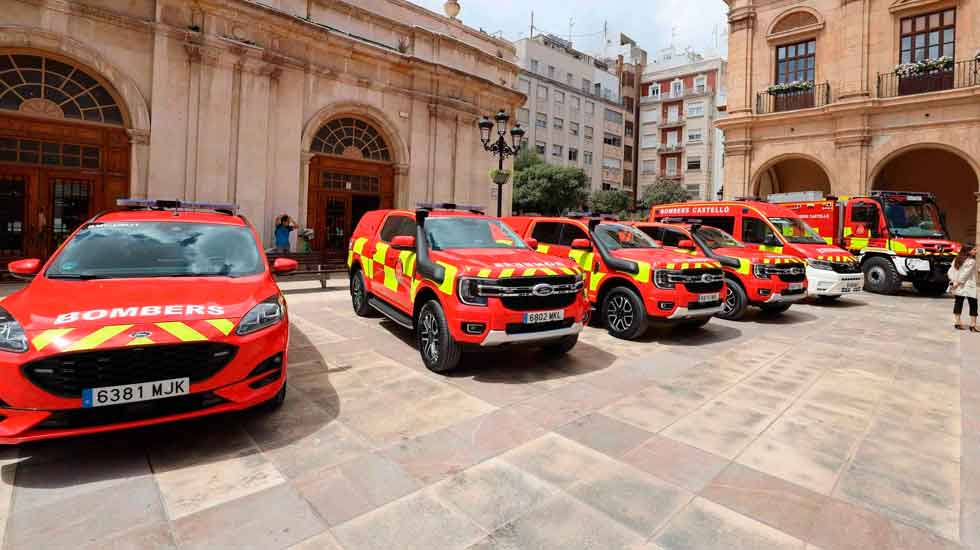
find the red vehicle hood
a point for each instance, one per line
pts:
(660, 257)
(819, 251)
(753, 255)
(51, 303)
(471, 261)
(931, 246)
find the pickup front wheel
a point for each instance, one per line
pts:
(359, 295)
(624, 313)
(439, 351)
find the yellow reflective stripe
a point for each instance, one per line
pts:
(528, 272)
(547, 271)
(543, 248)
(449, 281)
(359, 245)
(182, 332)
(223, 325)
(415, 289)
(391, 282)
(407, 258)
(744, 266)
(139, 342)
(484, 273)
(848, 231)
(42, 340)
(859, 242)
(567, 271)
(506, 273)
(643, 276)
(380, 252)
(828, 240)
(594, 280)
(97, 338)
(670, 266)
(898, 247)
(368, 264)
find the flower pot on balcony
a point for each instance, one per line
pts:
(792, 100)
(932, 81)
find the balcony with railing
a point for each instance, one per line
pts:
(961, 74)
(666, 148)
(672, 122)
(767, 102)
(696, 91)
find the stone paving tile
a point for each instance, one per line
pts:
(569, 402)
(555, 459)
(493, 433)
(419, 521)
(703, 525)
(432, 457)
(804, 466)
(720, 427)
(685, 466)
(605, 434)
(933, 443)
(562, 522)
(493, 493)
(274, 518)
(653, 408)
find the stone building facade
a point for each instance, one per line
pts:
(859, 126)
(321, 109)
(682, 91)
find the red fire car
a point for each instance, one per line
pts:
(159, 312)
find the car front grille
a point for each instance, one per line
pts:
(129, 412)
(521, 328)
(692, 280)
(530, 302)
(67, 374)
(845, 267)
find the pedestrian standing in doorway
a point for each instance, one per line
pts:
(284, 226)
(963, 284)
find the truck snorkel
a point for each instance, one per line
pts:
(613, 262)
(724, 260)
(425, 266)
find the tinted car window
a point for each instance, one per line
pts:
(755, 230)
(396, 226)
(655, 233)
(547, 232)
(569, 233)
(672, 237)
(726, 224)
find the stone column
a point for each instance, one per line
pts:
(850, 171)
(139, 160)
(197, 57)
(738, 161)
(741, 23)
(853, 49)
(976, 238)
(401, 187)
(304, 181)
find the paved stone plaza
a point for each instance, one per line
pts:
(851, 426)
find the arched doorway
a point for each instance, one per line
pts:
(352, 172)
(789, 175)
(946, 174)
(64, 151)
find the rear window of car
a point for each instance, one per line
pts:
(158, 249)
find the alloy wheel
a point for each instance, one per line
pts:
(357, 292)
(620, 314)
(429, 333)
(730, 300)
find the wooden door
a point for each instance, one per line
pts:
(17, 232)
(72, 197)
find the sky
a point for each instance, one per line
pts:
(653, 24)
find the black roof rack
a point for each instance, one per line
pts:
(175, 204)
(451, 206)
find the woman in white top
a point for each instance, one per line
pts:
(963, 283)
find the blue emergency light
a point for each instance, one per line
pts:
(451, 206)
(167, 204)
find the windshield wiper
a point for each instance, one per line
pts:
(79, 276)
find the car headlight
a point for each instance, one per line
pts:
(919, 252)
(820, 264)
(12, 337)
(661, 278)
(265, 314)
(469, 293)
(760, 271)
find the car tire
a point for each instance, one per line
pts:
(624, 314)
(927, 288)
(774, 309)
(735, 302)
(880, 276)
(693, 324)
(359, 295)
(561, 347)
(440, 352)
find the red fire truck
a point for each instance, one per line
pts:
(898, 236)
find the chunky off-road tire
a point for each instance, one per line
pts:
(880, 276)
(735, 301)
(929, 288)
(560, 347)
(359, 295)
(439, 351)
(624, 314)
(774, 309)
(693, 324)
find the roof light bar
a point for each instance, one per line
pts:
(451, 206)
(167, 204)
(902, 194)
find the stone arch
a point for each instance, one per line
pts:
(795, 19)
(951, 174)
(371, 115)
(136, 113)
(792, 172)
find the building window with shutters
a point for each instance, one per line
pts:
(540, 147)
(588, 133)
(541, 120)
(796, 62)
(573, 128)
(558, 123)
(556, 151)
(693, 164)
(587, 158)
(573, 154)
(928, 36)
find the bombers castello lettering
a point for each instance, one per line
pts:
(135, 311)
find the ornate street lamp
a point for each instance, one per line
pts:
(500, 148)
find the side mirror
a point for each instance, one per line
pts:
(284, 265)
(581, 244)
(532, 243)
(25, 269)
(403, 242)
(686, 243)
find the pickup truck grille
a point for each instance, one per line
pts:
(788, 273)
(694, 280)
(517, 293)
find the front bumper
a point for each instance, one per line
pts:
(824, 282)
(778, 298)
(501, 337)
(683, 313)
(923, 268)
(29, 413)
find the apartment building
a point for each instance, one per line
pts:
(893, 107)
(681, 95)
(574, 113)
(628, 65)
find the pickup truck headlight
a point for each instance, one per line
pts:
(661, 278)
(266, 313)
(760, 271)
(468, 290)
(12, 337)
(820, 264)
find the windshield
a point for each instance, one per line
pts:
(448, 232)
(158, 249)
(716, 238)
(616, 236)
(908, 219)
(797, 231)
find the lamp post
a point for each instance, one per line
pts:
(500, 148)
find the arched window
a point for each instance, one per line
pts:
(48, 87)
(795, 20)
(351, 138)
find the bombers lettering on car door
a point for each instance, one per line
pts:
(135, 311)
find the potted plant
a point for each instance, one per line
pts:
(928, 75)
(790, 87)
(500, 177)
(790, 96)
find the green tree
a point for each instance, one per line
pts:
(663, 191)
(548, 190)
(611, 201)
(526, 158)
